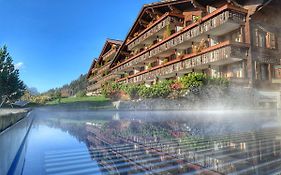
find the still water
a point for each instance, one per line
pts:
(169, 142)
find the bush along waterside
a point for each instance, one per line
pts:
(193, 83)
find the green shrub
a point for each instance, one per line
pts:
(161, 89)
(193, 80)
(81, 94)
(145, 92)
(108, 88)
(131, 90)
(174, 89)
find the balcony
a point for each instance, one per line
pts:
(94, 87)
(92, 79)
(110, 54)
(104, 68)
(100, 82)
(107, 78)
(150, 34)
(223, 20)
(225, 53)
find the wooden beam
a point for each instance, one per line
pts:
(143, 23)
(124, 53)
(197, 5)
(151, 14)
(156, 12)
(174, 9)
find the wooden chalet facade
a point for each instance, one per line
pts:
(235, 39)
(99, 71)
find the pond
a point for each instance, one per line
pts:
(168, 142)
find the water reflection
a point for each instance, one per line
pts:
(167, 142)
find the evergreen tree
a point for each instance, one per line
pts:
(11, 87)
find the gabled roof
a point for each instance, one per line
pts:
(158, 6)
(92, 66)
(108, 43)
(153, 7)
(114, 41)
(107, 46)
(266, 3)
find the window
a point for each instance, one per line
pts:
(260, 38)
(187, 23)
(277, 72)
(270, 40)
(265, 39)
(142, 68)
(257, 37)
(264, 71)
(237, 36)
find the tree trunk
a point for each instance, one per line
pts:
(4, 98)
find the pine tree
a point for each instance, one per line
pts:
(11, 87)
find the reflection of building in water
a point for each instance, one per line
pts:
(150, 144)
(120, 150)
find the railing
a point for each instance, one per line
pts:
(207, 24)
(97, 77)
(107, 78)
(104, 68)
(109, 53)
(189, 62)
(166, 20)
(94, 87)
(100, 82)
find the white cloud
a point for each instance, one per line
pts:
(19, 65)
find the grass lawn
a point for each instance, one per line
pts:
(96, 99)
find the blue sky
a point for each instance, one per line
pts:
(54, 41)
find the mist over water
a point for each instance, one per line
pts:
(67, 139)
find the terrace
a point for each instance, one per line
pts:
(110, 54)
(94, 87)
(224, 53)
(220, 22)
(98, 85)
(103, 68)
(156, 29)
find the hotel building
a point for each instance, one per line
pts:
(235, 39)
(99, 71)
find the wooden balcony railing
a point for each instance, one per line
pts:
(227, 13)
(93, 87)
(109, 53)
(91, 79)
(104, 68)
(160, 24)
(100, 82)
(97, 77)
(214, 55)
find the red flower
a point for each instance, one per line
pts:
(176, 86)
